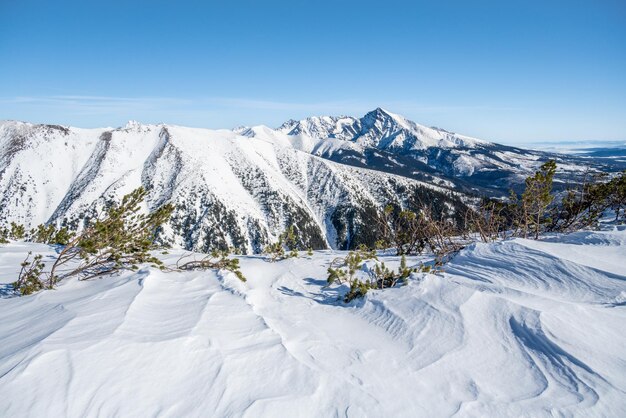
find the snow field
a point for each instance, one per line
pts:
(519, 327)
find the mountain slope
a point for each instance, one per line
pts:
(391, 143)
(240, 188)
(229, 189)
(379, 129)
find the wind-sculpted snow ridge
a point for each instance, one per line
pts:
(514, 328)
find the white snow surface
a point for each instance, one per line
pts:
(263, 178)
(379, 128)
(514, 328)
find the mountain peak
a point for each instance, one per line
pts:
(379, 128)
(380, 111)
(380, 114)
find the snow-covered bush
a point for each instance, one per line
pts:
(285, 247)
(377, 275)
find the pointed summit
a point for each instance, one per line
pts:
(378, 128)
(380, 112)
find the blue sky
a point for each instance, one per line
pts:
(507, 71)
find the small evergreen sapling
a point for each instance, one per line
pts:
(17, 231)
(31, 274)
(344, 269)
(358, 289)
(383, 277)
(287, 241)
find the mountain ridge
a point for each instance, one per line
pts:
(379, 128)
(328, 176)
(229, 190)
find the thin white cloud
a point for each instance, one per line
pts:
(108, 103)
(95, 101)
(226, 112)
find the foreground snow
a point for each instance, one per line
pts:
(512, 328)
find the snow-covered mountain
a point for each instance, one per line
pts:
(388, 142)
(229, 189)
(326, 175)
(379, 129)
(508, 328)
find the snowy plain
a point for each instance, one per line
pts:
(513, 328)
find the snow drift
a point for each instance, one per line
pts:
(510, 328)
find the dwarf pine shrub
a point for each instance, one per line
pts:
(583, 206)
(31, 277)
(17, 231)
(121, 239)
(344, 269)
(219, 260)
(285, 247)
(536, 199)
(49, 234)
